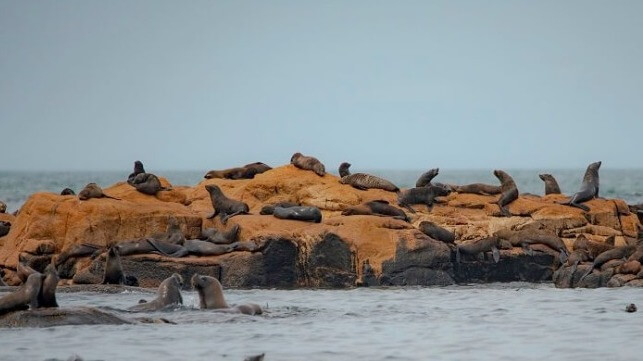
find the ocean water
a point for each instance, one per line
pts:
(513, 321)
(627, 184)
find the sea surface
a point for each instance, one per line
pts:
(512, 321)
(627, 184)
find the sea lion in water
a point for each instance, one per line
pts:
(5, 227)
(138, 169)
(420, 195)
(526, 237)
(147, 183)
(67, 192)
(211, 296)
(588, 189)
(169, 294)
(508, 189)
(47, 295)
(23, 297)
(299, 213)
(92, 190)
(479, 246)
(223, 205)
(270, 208)
(426, 177)
(113, 267)
(436, 232)
(221, 237)
(380, 208)
(255, 357)
(308, 163)
(551, 186)
(343, 169)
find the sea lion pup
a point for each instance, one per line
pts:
(169, 294)
(147, 183)
(3, 207)
(479, 188)
(221, 237)
(380, 208)
(490, 244)
(299, 213)
(420, 195)
(67, 192)
(92, 190)
(551, 186)
(343, 169)
(47, 294)
(270, 208)
(426, 177)
(223, 205)
(5, 227)
(436, 232)
(308, 163)
(509, 191)
(526, 237)
(588, 189)
(138, 169)
(211, 296)
(24, 297)
(113, 267)
(615, 253)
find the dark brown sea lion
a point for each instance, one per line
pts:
(479, 188)
(205, 248)
(47, 295)
(615, 253)
(168, 295)
(147, 183)
(270, 208)
(92, 190)
(113, 267)
(588, 190)
(436, 232)
(78, 250)
(255, 357)
(299, 213)
(5, 227)
(630, 308)
(24, 297)
(426, 177)
(479, 246)
(172, 234)
(221, 237)
(257, 168)
(593, 248)
(211, 296)
(526, 237)
(308, 163)
(380, 208)
(509, 191)
(420, 195)
(138, 169)
(151, 245)
(248, 171)
(629, 267)
(229, 173)
(551, 186)
(363, 181)
(3, 207)
(67, 192)
(343, 169)
(223, 205)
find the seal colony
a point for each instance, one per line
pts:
(453, 223)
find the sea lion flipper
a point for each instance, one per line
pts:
(496, 254)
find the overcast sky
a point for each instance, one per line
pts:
(391, 85)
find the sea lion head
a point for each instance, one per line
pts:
(545, 176)
(214, 190)
(343, 169)
(200, 282)
(67, 192)
(138, 167)
(295, 157)
(91, 190)
(32, 287)
(178, 279)
(433, 172)
(595, 165)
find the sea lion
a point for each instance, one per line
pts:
(593, 248)
(629, 267)
(426, 177)
(23, 271)
(436, 232)
(551, 186)
(588, 189)
(172, 234)
(47, 294)
(526, 237)
(5, 227)
(308, 163)
(223, 205)
(270, 208)
(615, 253)
(205, 248)
(343, 169)
(630, 308)
(490, 244)
(255, 357)
(248, 171)
(147, 183)
(113, 267)
(151, 245)
(420, 195)
(299, 213)
(363, 181)
(479, 188)
(67, 192)
(92, 190)
(169, 294)
(78, 250)
(138, 169)
(508, 189)
(256, 168)
(24, 297)
(221, 237)
(380, 208)
(3, 207)
(211, 296)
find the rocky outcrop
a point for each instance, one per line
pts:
(287, 253)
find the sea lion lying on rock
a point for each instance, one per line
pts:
(211, 296)
(92, 190)
(308, 163)
(224, 206)
(420, 195)
(138, 169)
(247, 171)
(526, 237)
(436, 232)
(478, 188)
(299, 213)
(593, 248)
(616, 253)
(479, 246)
(168, 295)
(363, 181)
(151, 245)
(588, 189)
(270, 208)
(147, 183)
(221, 237)
(380, 208)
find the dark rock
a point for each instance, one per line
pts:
(330, 264)
(511, 267)
(429, 264)
(50, 317)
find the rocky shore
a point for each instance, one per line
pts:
(340, 251)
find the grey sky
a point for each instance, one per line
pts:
(397, 84)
